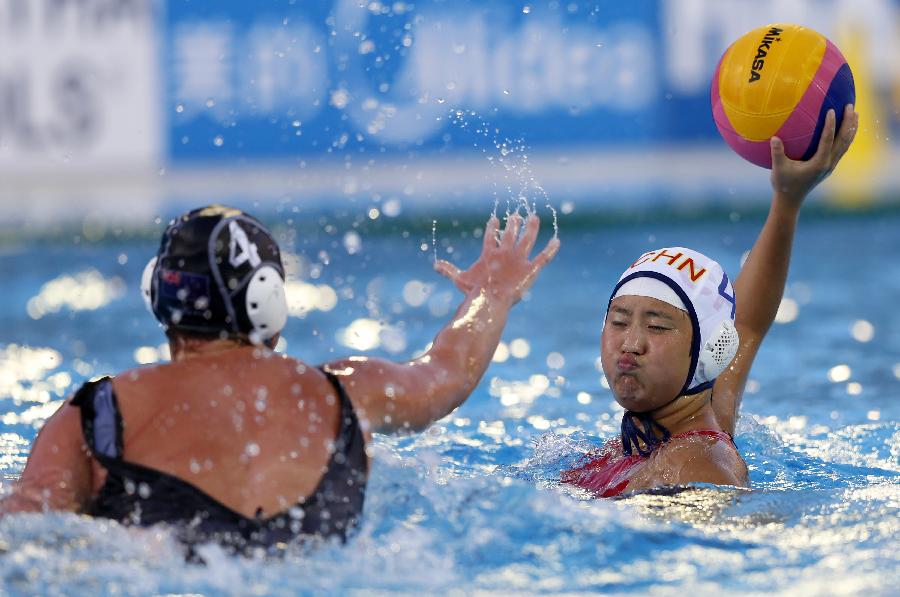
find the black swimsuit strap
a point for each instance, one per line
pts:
(349, 429)
(101, 421)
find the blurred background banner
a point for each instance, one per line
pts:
(79, 87)
(132, 105)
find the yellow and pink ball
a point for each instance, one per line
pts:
(779, 81)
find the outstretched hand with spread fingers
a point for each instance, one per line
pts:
(794, 179)
(503, 269)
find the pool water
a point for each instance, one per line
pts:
(473, 503)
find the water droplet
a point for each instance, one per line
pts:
(352, 242)
(251, 449)
(555, 360)
(392, 207)
(434, 238)
(862, 331)
(218, 140)
(839, 373)
(526, 9)
(555, 221)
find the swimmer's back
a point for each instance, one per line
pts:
(251, 428)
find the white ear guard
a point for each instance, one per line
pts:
(265, 300)
(147, 283)
(266, 303)
(717, 352)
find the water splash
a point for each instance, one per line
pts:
(555, 221)
(434, 240)
(511, 157)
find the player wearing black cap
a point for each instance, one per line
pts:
(235, 443)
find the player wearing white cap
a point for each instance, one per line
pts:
(678, 342)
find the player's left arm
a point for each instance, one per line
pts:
(760, 285)
(57, 475)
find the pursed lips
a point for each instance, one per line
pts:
(627, 363)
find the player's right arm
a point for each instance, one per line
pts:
(760, 284)
(57, 475)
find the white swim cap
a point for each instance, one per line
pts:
(651, 287)
(698, 285)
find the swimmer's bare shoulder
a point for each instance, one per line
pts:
(203, 380)
(692, 460)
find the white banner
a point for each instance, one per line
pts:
(79, 86)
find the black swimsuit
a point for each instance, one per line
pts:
(138, 495)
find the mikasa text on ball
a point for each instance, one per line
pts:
(779, 81)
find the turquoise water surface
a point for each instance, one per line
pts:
(472, 504)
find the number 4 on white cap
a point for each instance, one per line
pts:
(240, 242)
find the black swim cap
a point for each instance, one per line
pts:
(218, 270)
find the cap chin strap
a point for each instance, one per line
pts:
(265, 301)
(644, 438)
(642, 433)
